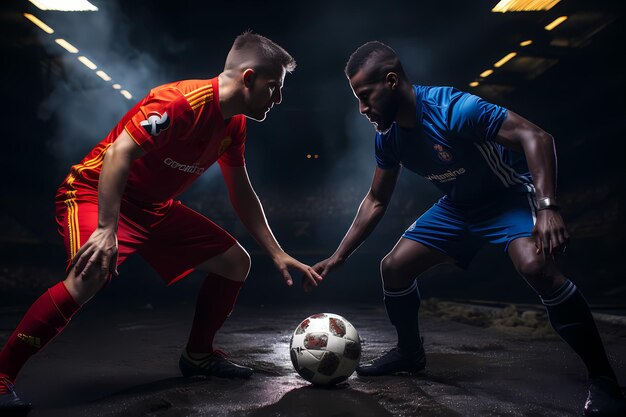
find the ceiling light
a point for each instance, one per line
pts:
(126, 94)
(39, 23)
(556, 22)
(67, 46)
(65, 5)
(474, 84)
(524, 5)
(87, 62)
(504, 60)
(526, 43)
(103, 75)
(486, 73)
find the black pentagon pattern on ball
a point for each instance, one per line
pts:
(316, 341)
(337, 327)
(352, 350)
(294, 359)
(306, 374)
(329, 363)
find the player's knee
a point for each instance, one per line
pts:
(83, 289)
(392, 273)
(387, 269)
(534, 269)
(239, 263)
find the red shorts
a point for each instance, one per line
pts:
(173, 238)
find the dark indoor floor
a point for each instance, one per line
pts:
(482, 361)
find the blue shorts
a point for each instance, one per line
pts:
(460, 229)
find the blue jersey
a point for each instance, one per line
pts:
(453, 145)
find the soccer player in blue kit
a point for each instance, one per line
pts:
(497, 171)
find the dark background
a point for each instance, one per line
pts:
(569, 81)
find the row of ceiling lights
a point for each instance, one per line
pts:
(520, 5)
(83, 59)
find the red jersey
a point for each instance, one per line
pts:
(182, 131)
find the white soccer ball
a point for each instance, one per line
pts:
(325, 349)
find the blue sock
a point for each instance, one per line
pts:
(571, 318)
(402, 308)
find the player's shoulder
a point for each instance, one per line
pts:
(193, 93)
(438, 95)
(196, 92)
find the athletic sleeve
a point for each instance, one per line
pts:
(231, 152)
(160, 117)
(473, 118)
(387, 156)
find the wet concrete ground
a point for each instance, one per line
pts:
(481, 362)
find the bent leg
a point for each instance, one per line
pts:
(567, 309)
(52, 311)
(217, 296)
(185, 240)
(399, 269)
(216, 299)
(44, 320)
(407, 260)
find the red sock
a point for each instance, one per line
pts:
(41, 323)
(216, 300)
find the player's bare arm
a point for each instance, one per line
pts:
(368, 215)
(99, 253)
(249, 209)
(517, 133)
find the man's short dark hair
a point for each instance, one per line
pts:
(264, 49)
(374, 52)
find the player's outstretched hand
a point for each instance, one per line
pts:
(550, 234)
(97, 256)
(323, 268)
(283, 262)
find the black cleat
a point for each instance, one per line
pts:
(213, 364)
(394, 361)
(605, 398)
(10, 403)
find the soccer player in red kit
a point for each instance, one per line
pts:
(120, 200)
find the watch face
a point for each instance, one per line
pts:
(546, 202)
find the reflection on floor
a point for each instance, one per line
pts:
(482, 361)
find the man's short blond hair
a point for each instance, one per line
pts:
(258, 52)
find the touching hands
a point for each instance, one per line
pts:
(323, 268)
(283, 262)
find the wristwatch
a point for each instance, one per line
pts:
(544, 203)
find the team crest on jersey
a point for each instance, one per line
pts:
(224, 144)
(156, 123)
(443, 154)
